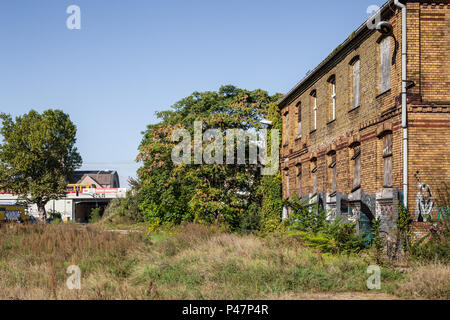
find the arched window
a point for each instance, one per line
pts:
(387, 159)
(333, 172)
(356, 158)
(287, 128)
(299, 120)
(288, 191)
(314, 107)
(356, 65)
(299, 180)
(385, 64)
(314, 174)
(332, 81)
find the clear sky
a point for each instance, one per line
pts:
(134, 57)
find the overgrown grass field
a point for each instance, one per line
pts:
(194, 262)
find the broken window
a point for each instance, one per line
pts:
(333, 172)
(314, 175)
(356, 167)
(387, 156)
(356, 83)
(299, 119)
(385, 64)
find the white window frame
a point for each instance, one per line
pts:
(333, 98)
(356, 83)
(315, 111)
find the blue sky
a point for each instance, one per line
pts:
(134, 57)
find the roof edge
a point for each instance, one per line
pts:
(330, 57)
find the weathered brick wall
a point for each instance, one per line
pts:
(337, 134)
(428, 68)
(429, 144)
(429, 51)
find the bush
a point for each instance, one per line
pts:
(435, 246)
(126, 207)
(334, 237)
(95, 215)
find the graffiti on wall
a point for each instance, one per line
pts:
(424, 203)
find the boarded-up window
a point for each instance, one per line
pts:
(333, 98)
(287, 128)
(356, 83)
(288, 191)
(333, 172)
(299, 180)
(314, 175)
(356, 167)
(387, 156)
(314, 103)
(385, 64)
(299, 119)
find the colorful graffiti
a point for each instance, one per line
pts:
(443, 213)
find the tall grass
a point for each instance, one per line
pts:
(193, 262)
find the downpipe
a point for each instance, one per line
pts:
(404, 104)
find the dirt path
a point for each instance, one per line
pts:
(335, 296)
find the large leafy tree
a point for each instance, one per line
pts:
(210, 193)
(38, 155)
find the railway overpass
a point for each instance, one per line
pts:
(75, 206)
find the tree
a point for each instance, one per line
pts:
(37, 156)
(208, 193)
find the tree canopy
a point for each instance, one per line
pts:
(215, 192)
(38, 155)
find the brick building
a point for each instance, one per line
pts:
(344, 123)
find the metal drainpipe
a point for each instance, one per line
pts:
(404, 104)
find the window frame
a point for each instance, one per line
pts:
(299, 120)
(287, 128)
(355, 63)
(385, 64)
(332, 82)
(313, 95)
(357, 166)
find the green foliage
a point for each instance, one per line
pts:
(404, 223)
(38, 155)
(128, 207)
(306, 216)
(377, 241)
(271, 203)
(95, 215)
(55, 215)
(309, 223)
(436, 245)
(203, 193)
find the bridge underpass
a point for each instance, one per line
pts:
(83, 208)
(74, 206)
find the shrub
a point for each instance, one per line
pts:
(335, 237)
(95, 215)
